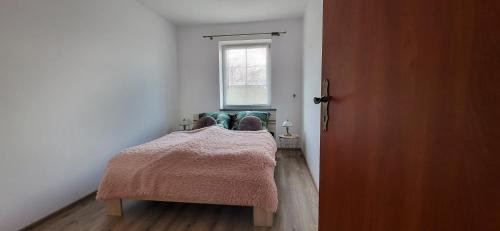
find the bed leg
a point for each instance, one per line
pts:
(262, 217)
(114, 207)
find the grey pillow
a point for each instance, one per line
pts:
(221, 118)
(206, 121)
(250, 123)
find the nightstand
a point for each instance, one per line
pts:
(291, 141)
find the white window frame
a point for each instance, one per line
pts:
(223, 45)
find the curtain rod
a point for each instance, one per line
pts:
(211, 37)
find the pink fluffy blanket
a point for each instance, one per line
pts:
(209, 165)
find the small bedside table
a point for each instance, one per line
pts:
(288, 141)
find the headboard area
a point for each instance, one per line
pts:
(271, 125)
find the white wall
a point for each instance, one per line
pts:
(199, 67)
(79, 80)
(313, 23)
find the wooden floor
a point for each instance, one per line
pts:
(297, 210)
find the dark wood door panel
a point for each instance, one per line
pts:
(414, 138)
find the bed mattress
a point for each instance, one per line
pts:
(209, 165)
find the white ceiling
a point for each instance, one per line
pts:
(226, 11)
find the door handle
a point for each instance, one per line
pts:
(318, 100)
(325, 102)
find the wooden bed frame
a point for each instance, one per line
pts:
(260, 216)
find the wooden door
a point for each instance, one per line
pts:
(413, 140)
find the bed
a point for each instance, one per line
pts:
(210, 165)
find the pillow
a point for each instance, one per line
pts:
(263, 116)
(206, 121)
(250, 123)
(221, 118)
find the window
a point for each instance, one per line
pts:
(245, 73)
